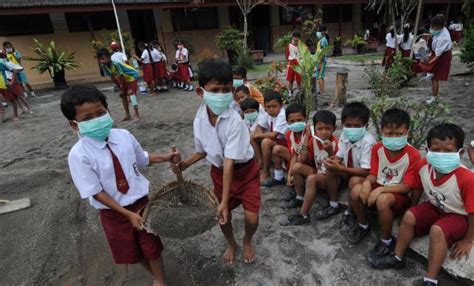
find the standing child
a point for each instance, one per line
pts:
(222, 137)
(117, 54)
(104, 168)
(182, 58)
(8, 96)
(292, 54)
(15, 56)
(270, 132)
(385, 189)
(323, 37)
(147, 59)
(448, 215)
(240, 78)
(391, 43)
(406, 41)
(161, 74)
(320, 145)
(125, 78)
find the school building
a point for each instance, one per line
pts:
(72, 24)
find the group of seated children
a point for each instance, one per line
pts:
(386, 177)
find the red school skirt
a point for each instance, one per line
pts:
(7, 95)
(160, 70)
(245, 186)
(440, 68)
(405, 53)
(128, 245)
(148, 72)
(291, 74)
(183, 71)
(388, 57)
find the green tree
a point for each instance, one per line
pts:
(467, 49)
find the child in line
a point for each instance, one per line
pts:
(391, 43)
(104, 168)
(271, 131)
(117, 54)
(352, 160)
(392, 160)
(182, 59)
(240, 94)
(222, 137)
(14, 56)
(292, 54)
(321, 68)
(240, 78)
(125, 78)
(161, 73)
(251, 110)
(310, 170)
(448, 215)
(148, 59)
(406, 41)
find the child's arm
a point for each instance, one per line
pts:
(415, 197)
(304, 153)
(134, 218)
(262, 135)
(463, 247)
(293, 160)
(223, 208)
(159, 158)
(335, 165)
(183, 165)
(367, 188)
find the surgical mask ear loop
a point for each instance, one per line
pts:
(313, 133)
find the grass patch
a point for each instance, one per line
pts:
(261, 68)
(360, 58)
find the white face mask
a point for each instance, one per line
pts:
(9, 50)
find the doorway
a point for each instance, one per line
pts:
(142, 25)
(260, 31)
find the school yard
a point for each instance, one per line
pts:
(59, 240)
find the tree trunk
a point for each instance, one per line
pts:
(341, 89)
(244, 44)
(417, 23)
(395, 30)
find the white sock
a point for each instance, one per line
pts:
(398, 258)
(300, 198)
(364, 226)
(347, 212)
(278, 174)
(333, 204)
(435, 281)
(386, 241)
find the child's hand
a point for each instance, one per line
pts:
(223, 214)
(364, 195)
(136, 220)
(170, 157)
(290, 181)
(374, 195)
(179, 167)
(461, 249)
(333, 165)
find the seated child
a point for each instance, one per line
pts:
(392, 160)
(222, 137)
(251, 110)
(471, 152)
(448, 215)
(240, 94)
(104, 168)
(318, 147)
(271, 131)
(352, 160)
(240, 78)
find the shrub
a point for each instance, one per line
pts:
(229, 39)
(244, 58)
(399, 71)
(205, 55)
(467, 49)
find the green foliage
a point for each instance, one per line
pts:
(107, 37)
(229, 39)
(467, 49)
(205, 55)
(271, 81)
(356, 41)
(244, 58)
(283, 41)
(399, 71)
(51, 59)
(186, 40)
(380, 84)
(310, 26)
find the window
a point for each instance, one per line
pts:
(79, 22)
(15, 25)
(194, 19)
(331, 13)
(289, 15)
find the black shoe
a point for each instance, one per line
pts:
(294, 203)
(296, 219)
(290, 195)
(381, 249)
(387, 261)
(327, 212)
(347, 222)
(270, 182)
(357, 234)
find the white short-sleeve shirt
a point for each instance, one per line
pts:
(293, 52)
(408, 44)
(442, 42)
(92, 169)
(119, 57)
(274, 124)
(230, 138)
(392, 41)
(182, 55)
(361, 150)
(155, 55)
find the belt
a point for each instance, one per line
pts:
(237, 166)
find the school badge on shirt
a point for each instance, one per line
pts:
(135, 169)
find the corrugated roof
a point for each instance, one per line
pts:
(59, 3)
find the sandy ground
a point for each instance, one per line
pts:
(59, 241)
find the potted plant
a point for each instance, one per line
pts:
(337, 51)
(282, 42)
(229, 40)
(358, 44)
(54, 61)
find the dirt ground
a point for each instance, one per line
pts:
(59, 240)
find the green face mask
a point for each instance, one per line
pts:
(251, 117)
(97, 128)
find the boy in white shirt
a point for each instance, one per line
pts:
(117, 55)
(104, 167)
(292, 56)
(222, 137)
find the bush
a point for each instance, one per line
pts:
(244, 58)
(205, 55)
(400, 71)
(467, 49)
(282, 42)
(229, 39)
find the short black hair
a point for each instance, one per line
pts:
(445, 131)
(272, 95)
(323, 29)
(249, 103)
(242, 88)
(295, 108)
(325, 116)
(103, 52)
(296, 34)
(7, 43)
(242, 71)
(78, 95)
(174, 66)
(217, 70)
(356, 110)
(395, 116)
(438, 20)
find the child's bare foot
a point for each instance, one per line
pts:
(264, 176)
(249, 252)
(136, 119)
(228, 257)
(126, 118)
(30, 111)
(152, 94)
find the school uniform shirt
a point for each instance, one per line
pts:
(392, 42)
(360, 151)
(128, 73)
(229, 139)
(391, 171)
(92, 168)
(252, 126)
(292, 53)
(119, 57)
(155, 56)
(418, 46)
(454, 193)
(408, 44)
(182, 55)
(442, 43)
(317, 154)
(7, 68)
(295, 142)
(274, 124)
(162, 56)
(235, 106)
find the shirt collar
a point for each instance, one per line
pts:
(344, 139)
(100, 144)
(202, 112)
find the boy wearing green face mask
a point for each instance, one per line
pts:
(104, 166)
(448, 215)
(392, 160)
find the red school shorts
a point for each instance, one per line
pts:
(402, 202)
(126, 86)
(245, 187)
(148, 72)
(160, 70)
(388, 57)
(183, 70)
(291, 74)
(454, 226)
(128, 245)
(7, 95)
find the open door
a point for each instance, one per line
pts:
(142, 24)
